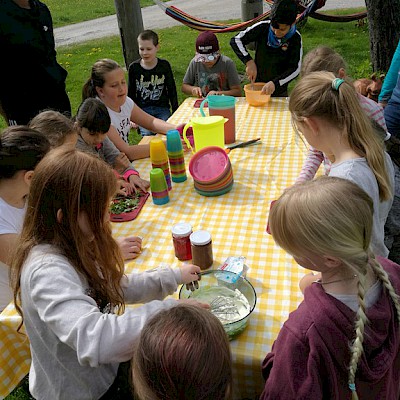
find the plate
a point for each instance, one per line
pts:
(131, 215)
(208, 164)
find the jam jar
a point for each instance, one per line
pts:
(202, 254)
(180, 237)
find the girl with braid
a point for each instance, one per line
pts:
(343, 341)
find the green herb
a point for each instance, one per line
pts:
(125, 205)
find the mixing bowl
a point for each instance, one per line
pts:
(220, 289)
(254, 96)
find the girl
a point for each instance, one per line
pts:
(21, 149)
(327, 112)
(69, 283)
(107, 82)
(92, 123)
(343, 341)
(58, 128)
(182, 353)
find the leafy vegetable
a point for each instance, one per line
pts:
(126, 204)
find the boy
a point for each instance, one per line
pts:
(151, 82)
(279, 49)
(210, 72)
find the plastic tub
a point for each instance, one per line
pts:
(254, 96)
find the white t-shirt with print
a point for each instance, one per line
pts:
(121, 121)
(11, 220)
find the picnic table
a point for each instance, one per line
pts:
(237, 223)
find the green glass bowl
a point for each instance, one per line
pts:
(232, 281)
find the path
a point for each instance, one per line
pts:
(155, 18)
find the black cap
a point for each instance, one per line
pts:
(284, 12)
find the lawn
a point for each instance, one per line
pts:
(177, 46)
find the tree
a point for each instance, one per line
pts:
(384, 31)
(130, 23)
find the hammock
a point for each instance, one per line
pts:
(217, 27)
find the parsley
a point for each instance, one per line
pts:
(125, 205)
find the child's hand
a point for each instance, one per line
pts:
(307, 280)
(268, 88)
(195, 303)
(134, 125)
(196, 92)
(190, 273)
(214, 92)
(130, 246)
(139, 183)
(251, 70)
(124, 188)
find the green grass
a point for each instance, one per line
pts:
(73, 11)
(177, 46)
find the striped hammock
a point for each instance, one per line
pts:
(217, 27)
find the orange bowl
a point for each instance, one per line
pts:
(254, 96)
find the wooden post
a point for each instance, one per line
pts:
(130, 23)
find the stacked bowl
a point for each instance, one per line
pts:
(212, 171)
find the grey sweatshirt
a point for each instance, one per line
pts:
(76, 349)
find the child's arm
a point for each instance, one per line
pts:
(311, 165)
(190, 90)
(189, 81)
(130, 247)
(8, 242)
(149, 122)
(391, 78)
(134, 152)
(243, 38)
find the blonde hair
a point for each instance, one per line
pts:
(314, 96)
(54, 125)
(73, 182)
(322, 58)
(344, 211)
(182, 353)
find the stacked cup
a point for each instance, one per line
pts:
(212, 171)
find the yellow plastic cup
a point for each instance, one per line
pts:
(207, 131)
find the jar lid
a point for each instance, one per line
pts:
(181, 229)
(200, 238)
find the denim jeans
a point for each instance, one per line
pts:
(158, 112)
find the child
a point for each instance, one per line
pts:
(92, 123)
(328, 113)
(279, 49)
(21, 149)
(69, 283)
(182, 353)
(107, 82)
(210, 72)
(151, 82)
(343, 341)
(324, 58)
(58, 128)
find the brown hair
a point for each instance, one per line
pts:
(322, 58)
(73, 182)
(314, 96)
(97, 76)
(183, 354)
(149, 35)
(345, 211)
(54, 125)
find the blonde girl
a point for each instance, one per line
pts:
(183, 353)
(70, 287)
(107, 82)
(343, 341)
(326, 110)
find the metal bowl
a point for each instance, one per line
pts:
(222, 280)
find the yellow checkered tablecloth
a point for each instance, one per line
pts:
(237, 223)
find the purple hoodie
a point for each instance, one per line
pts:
(310, 357)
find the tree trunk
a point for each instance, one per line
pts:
(130, 23)
(384, 32)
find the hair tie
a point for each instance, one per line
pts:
(336, 83)
(352, 386)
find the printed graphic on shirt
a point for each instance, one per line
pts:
(209, 82)
(150, 90)
(124, 128)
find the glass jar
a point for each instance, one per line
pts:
(202, 254)
(180, 238)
